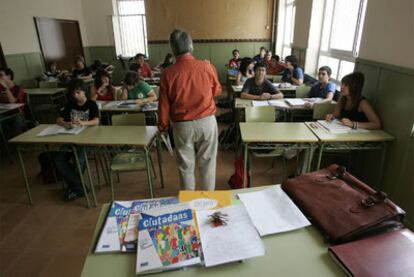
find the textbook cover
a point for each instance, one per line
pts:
(112, 234)
(137, 207)
(167, 239)
(205, 200)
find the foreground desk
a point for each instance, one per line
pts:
(372, 140)
(297, 253)
(29, 141)
(272, 136)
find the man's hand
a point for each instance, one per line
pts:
(265, 96)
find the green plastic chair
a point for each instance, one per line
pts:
(320, 110)
(264, 114)
(131, 159)
(302, 91)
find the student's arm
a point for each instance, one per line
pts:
(61, 122)
(336, 112)
(94, 93)
(373, 119)
(86, 77)
(246, 95)
(150, 98)
(238, 78)
(9, 95)
(299, 77)
(124, 94)
(273, 91)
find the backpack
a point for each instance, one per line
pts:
(228, 138)
(236, 180)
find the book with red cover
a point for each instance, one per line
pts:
(389, 254)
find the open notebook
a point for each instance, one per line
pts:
(336, 127)
(59, 130)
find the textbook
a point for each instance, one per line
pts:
(137, 207)
(295, 102)
(112, 234)
(205, 200)
(59, 130)
(336, 127)
(150, 107)
(167, 239)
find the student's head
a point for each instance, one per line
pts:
(181, 42)
(140, 58)
(291, 62)
(236, 54)
(268, 56)
(131, 79)
(168, 59)
(97, 64)
(324, 73)
(275, 60)
(102, 77)
(352, 84)
(136, 67)
(262, 51)
(6, 74)
(246, 65)
(77, 88)
(52, 67)
(260, 71)
(80, 62)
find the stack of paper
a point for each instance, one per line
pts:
(272, 211)
(236, 240)
(295, 102)
(336, 127)
(59, 130)
(260, 103)
(279, 103)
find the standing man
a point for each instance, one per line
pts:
(187, 91)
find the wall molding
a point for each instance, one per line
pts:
(390, 67)
(216, 40)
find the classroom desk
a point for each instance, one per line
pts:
(372, 140)
(29, 141)
(272, 136)
(110, 138)
(111, 107)
(37, 98)
(297, 253)
(7, 113)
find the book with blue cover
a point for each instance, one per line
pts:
(112, 234)
(138, 207)
(167, 239)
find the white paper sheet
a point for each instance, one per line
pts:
(295, 101)
(258, 103)
(336, 127)
(238, 240)
(280, 103)
(272, 211)
(59, 130)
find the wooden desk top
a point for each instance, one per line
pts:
(139, 136)
(279, 132)
(371, 136)
(43, 91)
(298, 253)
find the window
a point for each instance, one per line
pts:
(288, 29)
(130, 27)
(341, 35)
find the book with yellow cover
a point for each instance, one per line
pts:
(205, 200)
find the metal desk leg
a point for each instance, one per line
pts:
(29, 194)
(310, 157)
(90, 177)
(148, 164)
(159, 155)
(382, 163)
(88, 203)
(245, 156)
(318, 165)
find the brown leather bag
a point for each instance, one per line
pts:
(341, 206)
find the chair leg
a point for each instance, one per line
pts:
(111, 183)
(154, 173)
(96, 157)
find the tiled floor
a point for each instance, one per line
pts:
(52, 237)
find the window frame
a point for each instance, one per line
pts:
(293, 15)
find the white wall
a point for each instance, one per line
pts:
(388, 34)
(17, 28)
(98, 21)
(302, 23)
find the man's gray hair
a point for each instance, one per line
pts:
(181, 42)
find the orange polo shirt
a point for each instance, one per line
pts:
(187, 89)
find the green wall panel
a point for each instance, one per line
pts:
(220, 53)
(202, 51)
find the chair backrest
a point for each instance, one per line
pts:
(320, 110)
(133, 119)
(277, 78)
(302, 91)
(260, 114)
(43, 84)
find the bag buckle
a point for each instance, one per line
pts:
(339, 173)
(371, 200)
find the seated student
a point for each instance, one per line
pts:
(233, 61)
(79, 111)
(352, 108)
(260, 57)
(258, 87)
(274, 67)
(12, 93)
(52, 73)
(102, 88)
(81, 71)
(168, 60)
(135, 88)
(293, 73)
(245, 71)
(145, 68)
(323, 88)
(97, 65)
